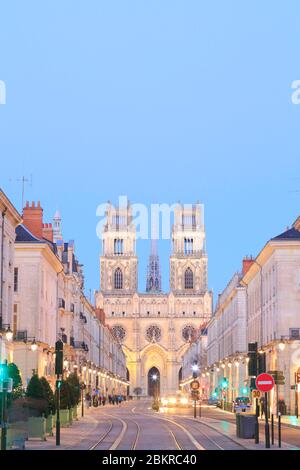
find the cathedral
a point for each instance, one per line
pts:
(155, 328)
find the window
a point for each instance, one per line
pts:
(118, 279)
(294, 333)
(188, 246)
(16, 279)
(188, 279)
(15, 319)
(118, 246)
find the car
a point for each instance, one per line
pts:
(178, 400)
(241, 404)
(213, 401)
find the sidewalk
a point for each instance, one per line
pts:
(229, 429)
(81, 435)
(290, 421)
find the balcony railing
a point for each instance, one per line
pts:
(83, 317)
(21, 335)
(80, 345)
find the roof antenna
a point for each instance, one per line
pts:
(23, 180)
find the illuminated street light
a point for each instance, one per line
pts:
(9, 334)
(281, 345)
(33, 345)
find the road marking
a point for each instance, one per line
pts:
(192, 439)
(118, 440)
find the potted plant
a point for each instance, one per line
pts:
(65, 404)
(37, 403)
(75, 391)
(51, 408)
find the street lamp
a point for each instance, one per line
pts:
(6, 330)
(281, 345)
(33, 345)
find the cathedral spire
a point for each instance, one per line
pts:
(153, 283)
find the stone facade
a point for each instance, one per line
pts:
(9, 220)
(49, 304)
(154, 328)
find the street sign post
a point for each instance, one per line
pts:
(256, 394)
(195, 385)
(265, 383)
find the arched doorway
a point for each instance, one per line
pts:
(180, 375)
(154, 382)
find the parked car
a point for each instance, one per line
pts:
(241, 404)
(213, 401)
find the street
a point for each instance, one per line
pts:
(135, 426)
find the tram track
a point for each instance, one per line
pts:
(120, 436)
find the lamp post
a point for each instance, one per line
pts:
(155, 380)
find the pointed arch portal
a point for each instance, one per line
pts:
(154, 382)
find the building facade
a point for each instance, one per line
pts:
(9, 220)
(227, 349)
(155, 328)
(273, 302)
(50, 304)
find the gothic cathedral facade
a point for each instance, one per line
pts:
(155, 328)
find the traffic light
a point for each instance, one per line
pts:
(3, 372)
(253, 359)
(224, 383)
(261, 363)
(58, 383)
(59, 346)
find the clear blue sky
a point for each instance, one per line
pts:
(159, 100)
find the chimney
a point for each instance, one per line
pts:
(48, 232)
(33, 218)
(247, 263)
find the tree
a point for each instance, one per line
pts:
(14, 373)
(74, 384)
(36, 397)
(49, 395)
(137, 391)
(67, 399)
(35, 388)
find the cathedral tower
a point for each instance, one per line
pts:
(188, 262)
(118, 260)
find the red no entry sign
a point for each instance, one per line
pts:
(264, 382)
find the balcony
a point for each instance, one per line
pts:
(83, 317)
(21, 335)
(80, 345)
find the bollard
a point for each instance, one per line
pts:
(272, 428)
(279, 429)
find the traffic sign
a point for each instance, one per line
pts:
(264, 382)
(278, 376)
(195, 385)
(256, 394)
